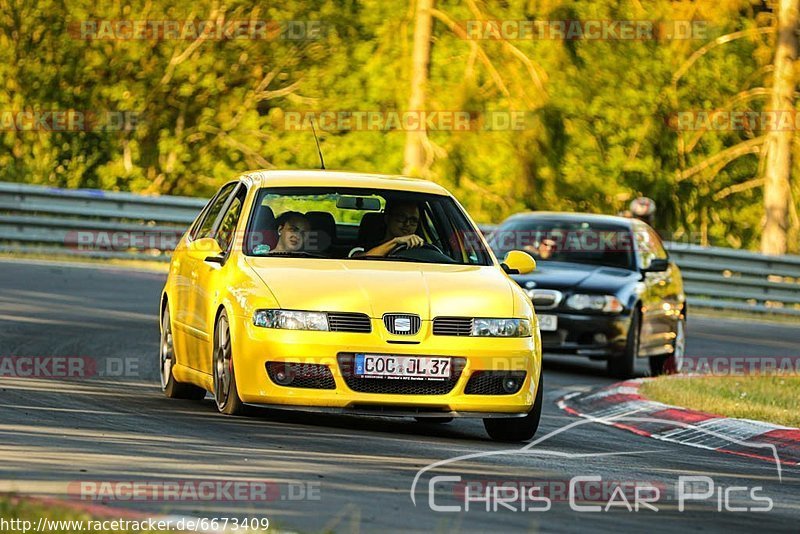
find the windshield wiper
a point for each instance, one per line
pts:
(381, 258)
(391, 258)
(295, 254)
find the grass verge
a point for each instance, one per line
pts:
(21, 515)
(770, 398)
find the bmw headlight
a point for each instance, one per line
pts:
(291, 320)
(501, 328)
(604, 303)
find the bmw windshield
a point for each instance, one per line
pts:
(569, 241)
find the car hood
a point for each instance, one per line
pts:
(378, 287)
(562, 275)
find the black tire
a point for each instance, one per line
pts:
(226, 394)
(624, 365)
(518, 428)
(171, 387)
(434, 420)
(668, 364)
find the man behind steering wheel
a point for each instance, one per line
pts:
(402, 221)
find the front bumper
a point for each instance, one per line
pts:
(587, 334)
(253, 347)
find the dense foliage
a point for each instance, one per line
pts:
(600, 126)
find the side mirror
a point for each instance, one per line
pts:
(518, 262)
(658, 265)
(206, 249)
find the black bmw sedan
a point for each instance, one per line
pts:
(604, 287)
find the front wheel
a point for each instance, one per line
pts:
(171, 387)
(225, 392)
(518, 428)
(672, 363)
(624, 365)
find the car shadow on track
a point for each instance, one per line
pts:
(582, 369)
(456, 430)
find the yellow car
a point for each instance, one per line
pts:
(350, 293)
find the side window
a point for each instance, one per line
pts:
(649, 246)
(658, 246)
(204, 230)
(227, 227)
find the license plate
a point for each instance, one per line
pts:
(382, 366)
(548, 323)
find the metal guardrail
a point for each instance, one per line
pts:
(730, 279)
(92, 223)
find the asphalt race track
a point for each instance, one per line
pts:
(331, 473)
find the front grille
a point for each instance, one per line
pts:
(306, 375)
(402, 324)
(491, 382)
(545, 299)
(399, 386)
(349, 322)
(452, 326)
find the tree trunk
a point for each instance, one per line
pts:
(415, 158)
(777, 191)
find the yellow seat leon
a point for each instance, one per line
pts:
(349, 293)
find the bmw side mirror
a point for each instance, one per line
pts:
(658, 265)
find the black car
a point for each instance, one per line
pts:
(603, 287)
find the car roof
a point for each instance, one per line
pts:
(566, 216)
(324, 178)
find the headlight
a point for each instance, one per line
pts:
(501, 328)
(604, 303)
(291, 320)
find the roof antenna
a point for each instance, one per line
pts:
(319, 150)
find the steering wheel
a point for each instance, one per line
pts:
(427, 252)
(403, 247)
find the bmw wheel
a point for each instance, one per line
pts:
(672, 363)
(624, 365)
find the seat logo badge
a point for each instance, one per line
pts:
(402, 324)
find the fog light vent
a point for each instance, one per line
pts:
(301, 375)
(495, 382)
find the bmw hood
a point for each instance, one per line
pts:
(558, 275)
(378, 287)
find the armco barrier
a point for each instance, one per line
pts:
(44, 220)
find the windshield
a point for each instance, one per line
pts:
(362, 224)
(573, 241)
